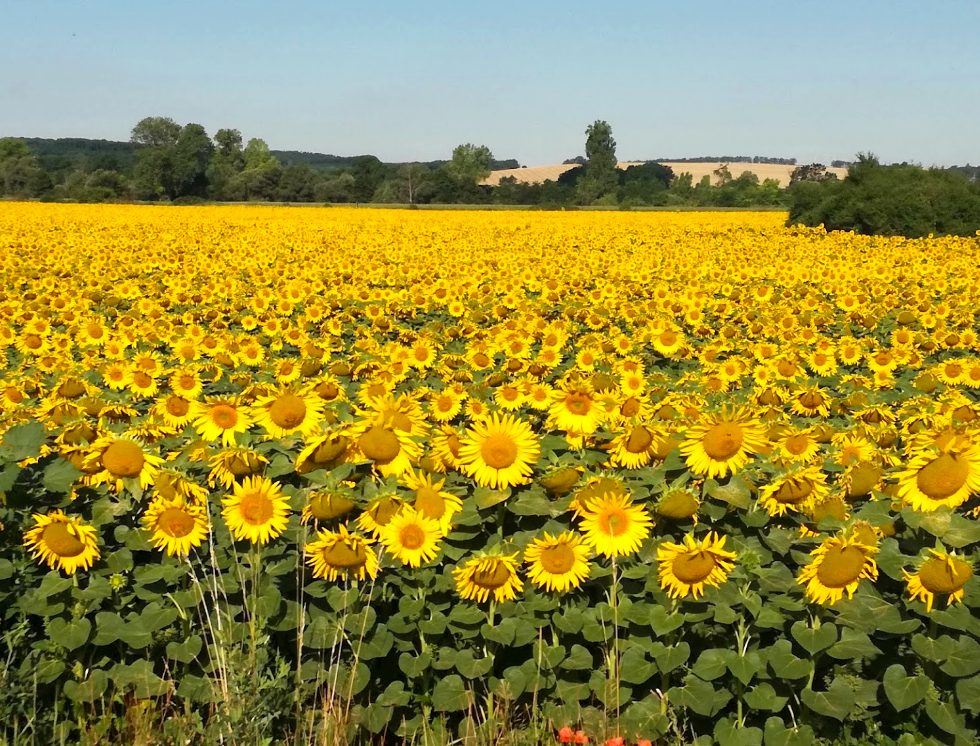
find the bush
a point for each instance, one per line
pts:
(881, 200)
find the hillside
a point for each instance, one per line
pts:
(540, 174)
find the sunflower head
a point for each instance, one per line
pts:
(174, 525)
(339, 554)
(412, 537)
(62, 542)
(492, 576)
(558, 563)
(613, 526)
(940, 573)
(685, 569)
(838, 566)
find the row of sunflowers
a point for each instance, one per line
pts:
(669, 423)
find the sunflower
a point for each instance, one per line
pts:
(613, 525)
(431, 500)
(636, 447)
(327, 505)
(685, 569)
(558, 563)
(379, 513)
(412, 537)
(287, 412)
(175, 526)
(445, 405)
(339, 554)
(121, 461)
(174, 410)
(934, 478)
(798, 490)
(942, 572)
(61, 542)
(186, 383)
(257, 511)
(797, 444)
(493, 575)
(678, 505)
(170, 483)
(220, 418)
(722, 444)
(575, 411)
(499, 452)
(838, 566)
(390, 449)
(232, 464)
(325, 450)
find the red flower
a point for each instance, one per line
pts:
(617, 741)
(565, 735)
(644, 742)
(580, 737)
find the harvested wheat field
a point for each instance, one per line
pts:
(540, 174)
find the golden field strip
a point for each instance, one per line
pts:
(693, 420)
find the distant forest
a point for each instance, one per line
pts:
(168, 162)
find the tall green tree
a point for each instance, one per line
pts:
(171, 160)
(470, 163)
(601, 175)
(20, 173)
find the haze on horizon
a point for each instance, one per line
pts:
(409, 82)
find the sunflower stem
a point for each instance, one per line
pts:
(613, 597)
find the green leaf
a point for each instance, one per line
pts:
(726, 734)
(502, 632)
(968, 694)
(671, 657)
(944, 715)
(745, 667)
(472, 667)
(450, 695)
(186, 650)
(736, 492)
(323, 632)
(837, 702)
(376, 717)
(663, 622)
(764, 697)
(853, 644)
(934, 649)
(579, 659)
(88, 690)
(814, 639)
(777, 734)
(395, 695)
(964, 659)
(70, 635)
(413, 666)
(140, 676)
(59, 476)
(712, 663)
(634, 668)
(904, 691)
(784, 664)
(698, 696)
(22, 441)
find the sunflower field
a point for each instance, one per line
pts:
(344, 475)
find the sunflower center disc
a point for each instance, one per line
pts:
(558, 559)
(693, 567)
(288, 411)
(578, 404)
(942, 477)
(123, 459)
(723, 440)
(499, 451)
(60, 541)
(343, 556)
(141, 379)
(617, 523)
(841, 566)
(630, 407)
(256, 509)
(411, 536)
(224, 416)
(639, 440)
(863, 478)
(328, 391)
(175, 522)
(938, 576)
(794, 492)
(177, 406)
(384, 510)
(492, 574)
(242, 464)
(430, 503)
(330, 450)
(797, 444)
(379, 444)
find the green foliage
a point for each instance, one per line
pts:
(901, 200)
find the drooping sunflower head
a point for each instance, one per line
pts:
(62, 542)
(175, 526)
(389, 448)
(339, 554)
(412, 537)
(678, 504)
(838, 566)
(491, 576)
(637, 446)
(559, 482)
(797, 490)
(722, 444)
(431, 500)
(613, 526)
(325, 450)
(234, 464)
(500, 451)
(558, 563)
(941, 573)
(685, 569)
(327, 505)
(574, 410)
(379, 513)
(257, 511)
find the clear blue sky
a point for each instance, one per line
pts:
(815, 80)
